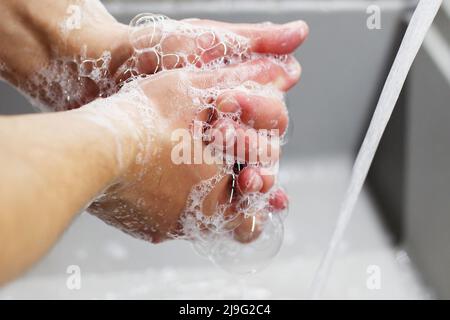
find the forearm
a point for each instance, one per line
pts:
(36, 32)
(26, 47)
(52, 166)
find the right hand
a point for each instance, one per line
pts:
(148, 201)
(51, 69)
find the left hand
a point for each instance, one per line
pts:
(51, 71)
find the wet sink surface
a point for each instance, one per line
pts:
(329, 112)
(114, 265)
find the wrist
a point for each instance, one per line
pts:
(124, 125)
(23, 43)
(68, 29)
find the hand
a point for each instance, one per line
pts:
(152, 200)
(78, 51)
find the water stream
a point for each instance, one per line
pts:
(412, 41)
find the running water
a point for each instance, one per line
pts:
(412, 41)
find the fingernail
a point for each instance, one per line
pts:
(279, 200)
(303, 29)
(255, 183)
(229, 105)
(293, 68)
(299, 26)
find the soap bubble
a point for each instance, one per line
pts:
(155, 41)
(248, 258)
(145, 31)
(243, 242)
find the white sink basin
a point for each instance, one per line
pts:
(343, 65)
(114, 265)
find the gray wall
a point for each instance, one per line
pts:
(410, 175)
(427, 219)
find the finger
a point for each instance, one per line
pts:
(142, 63)
(264, 38)
(259, 112)
(244, 144)
(279, 200)
(249, 229)
(210, 46)
(232, 217)
(148, 62)
(253, 147)
(223, 135)
(281, 74)
(251, 180)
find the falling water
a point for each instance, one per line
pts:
(415, 34)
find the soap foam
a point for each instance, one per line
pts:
(213, 235)
(69, 82)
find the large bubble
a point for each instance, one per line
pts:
(246, 240)
(247, 258)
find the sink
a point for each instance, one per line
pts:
(344, 65)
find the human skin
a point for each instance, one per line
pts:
(33, 31)
(166, 187)
(45, 156)
(53, 165)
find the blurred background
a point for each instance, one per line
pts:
(398, 243)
